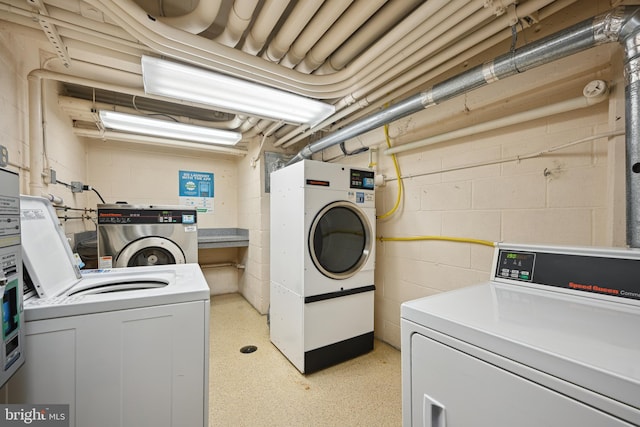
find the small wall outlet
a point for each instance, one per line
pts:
(52, 176)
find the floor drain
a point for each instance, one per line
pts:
(248, 349)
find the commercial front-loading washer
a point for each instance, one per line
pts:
(121, 347)
(322, 263)
(142, 235)
(551, 340)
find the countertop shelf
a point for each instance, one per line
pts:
(209, 238)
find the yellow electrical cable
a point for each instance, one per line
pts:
(395, 164)
(445, 238)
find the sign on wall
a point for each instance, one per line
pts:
(196, 189)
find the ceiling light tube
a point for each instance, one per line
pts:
(180, 81)
(149, 126)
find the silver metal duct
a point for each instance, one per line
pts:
(630, 36)
(620, 24)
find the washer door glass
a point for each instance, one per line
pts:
(340, 240)
(150, 251)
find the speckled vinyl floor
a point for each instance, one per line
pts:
(264, 389)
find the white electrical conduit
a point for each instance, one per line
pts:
(380, 62)
(444, 19)
(440, 63)
(594, 93)
(200, 51)
(320, 24)
(198, 20)
(156, 141)
(380, 24)
(340, 31)
(292, 27)
(66, 19)
(268, 17)
(540, 153)
(36, 135)
(465, 49)
(238, 21)
(65, 78)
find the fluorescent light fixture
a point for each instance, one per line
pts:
(180, 81)
(149, 126)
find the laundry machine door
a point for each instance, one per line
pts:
(340, 240)
(150, 251)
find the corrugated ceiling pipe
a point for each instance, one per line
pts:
(237, 22)
(320, 24)
(589, 33)
(378, 25)
(630, 34)
(292, 27)
(198, 20)
(345, 26)
(594, 93)
(466, 48)
(268, 17)
(155, 141)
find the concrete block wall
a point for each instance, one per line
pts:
(253, 214)
(472, 188)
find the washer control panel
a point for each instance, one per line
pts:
(608, 272)
(146, 216)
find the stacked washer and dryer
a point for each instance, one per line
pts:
(322, 263)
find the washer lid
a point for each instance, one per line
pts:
(46, 252)
(588, 342)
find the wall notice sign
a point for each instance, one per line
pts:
(196, 190)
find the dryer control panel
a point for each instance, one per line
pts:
(362, 179)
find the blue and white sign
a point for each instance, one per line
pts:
(196, 189)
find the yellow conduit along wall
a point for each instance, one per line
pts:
(443, 238)
(398, 175)
(397, 204)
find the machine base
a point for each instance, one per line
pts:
(335, 353)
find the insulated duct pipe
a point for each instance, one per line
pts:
(630, 35)
(590, 33)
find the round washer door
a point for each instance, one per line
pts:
(340, 240)
(150, 251)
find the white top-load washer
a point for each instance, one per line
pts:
(552, 339)
(121, 347)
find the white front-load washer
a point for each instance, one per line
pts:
(551, 340)
(322, 262)
(121, 347)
